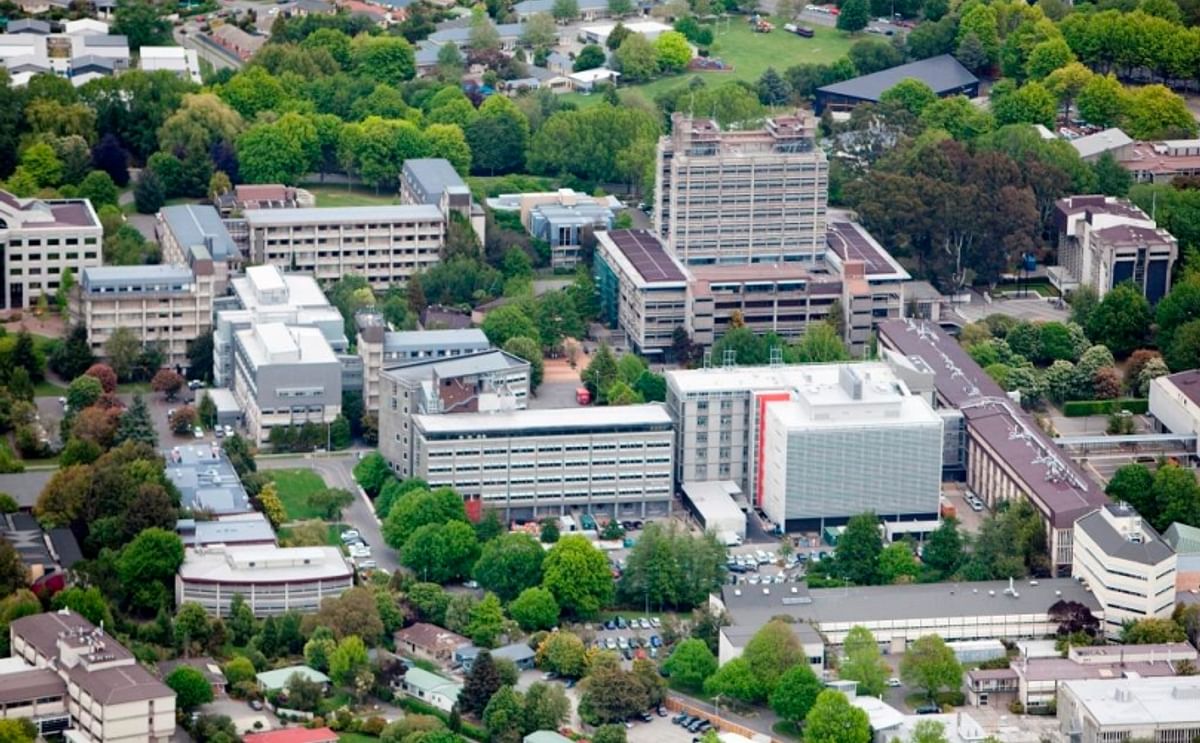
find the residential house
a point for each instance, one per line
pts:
(431, 688)
(428, 641)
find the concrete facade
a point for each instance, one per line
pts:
(273, 580)
(39, 240)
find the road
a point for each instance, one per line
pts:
(337, 472)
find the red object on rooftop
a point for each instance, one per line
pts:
(294, 735)
(582, 396)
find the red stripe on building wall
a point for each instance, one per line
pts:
(761, 401)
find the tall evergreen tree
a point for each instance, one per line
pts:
(136, 424)
(481, 683)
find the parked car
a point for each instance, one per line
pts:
(195, 384)
(928, 709)
(198, 432)
(350, 535)
(647, 717)
(610, 643)
(893, 682)
(228, 430)
(661, 711)
(256, 705)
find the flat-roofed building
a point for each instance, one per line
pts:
(183, 63)
(387, 245)
(285, 376)
(1175, 402)
(194, 233)
(944, 75)
(272, 580)
(39, 240)
(900, 614)
(1105, 241)
(265, 294)
(237, 529)
(110, 697)
(380, 347)
(560, 218)
(1110, 141)
(206, 480)
(750, 196)
(849, 438)
(166, 306)
(1007, 455)
(643, 289)
(1103, 710)
(1162, 162)
(35, 694)
(434, 181)
(486, 381)
(528, 463)
(1127, 565)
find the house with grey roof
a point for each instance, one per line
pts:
(509, 33)
(430, 688)
(944, 74)
(519, 653)
(589, 10)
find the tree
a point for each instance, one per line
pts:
(833, 719)
(421, 508)
(190, 687)
(440, 552)
(578, 575)
(773, 90)
(510, 564)
(1031, 103)
(528, 350)
(355, 612)
(771, 652)
(372, 472)
(931, 666)
(1152, 631)
(672, 50)
(13, 574)
(109, 157)
(910, 94)
(796, 693)
(507, 322)
(557, 318)
(147, 564)
(858, 549)
(237, 670)
(897, 564)
(1155, 111)
(1122, 320)
(347, 659)
(123, 349)
(854, 16)
(690, 664)
(481, 683)
(541, 31)
(943, 551)
(589, 58)
(191, 627)
(1048, 56)
(100, 188)
(498, 137)
(546, 706)
(84, 392)
(600, 373)
(382, 59)
(1176, 498)
(168, 382)
(535, 609)
(1101, 100)
(636, 59)
(184, 420)
(329, 502)
(862, 662)
(735, 680)
(1184, 351)
(139, 21)
(563, 653)
(565, 10)
(504, 716)
(873, 55)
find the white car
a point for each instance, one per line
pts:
(198, 432)
(655, 622)
(622, 643)
(359, 550)
(228, 430)
(350, 535)
(893, 682)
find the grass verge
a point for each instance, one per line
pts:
(332, 195)
(294, 488)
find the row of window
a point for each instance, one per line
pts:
(51, 242)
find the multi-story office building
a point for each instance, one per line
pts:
(1105, 241)
(1007, 455)
(1127, 565)
(384, 244)
(167, 306)
(560, 218)
(643, 289)
(265, 294)
(379, 347)
(435, 182)
(647, 293)
(753, 196)
(39, 239)
(812, 444)
(1166, 710)
(850, 439)
(273, 580)
(529, 463)
(285, 375)
(110, 697)
(194, 233)
(479, 382)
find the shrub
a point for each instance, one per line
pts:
(1078, 408)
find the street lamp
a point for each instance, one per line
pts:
(717, 705)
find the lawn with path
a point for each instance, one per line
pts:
(294, 487)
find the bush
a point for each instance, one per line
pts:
(421, 708)
(1078, 408)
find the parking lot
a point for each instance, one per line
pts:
(642, 634)
(659, 730)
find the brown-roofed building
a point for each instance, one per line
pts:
(111, 698)
(1162, 162)
(429, 641)
(1104, 241)
(239, 42)
(36, 694)
(262, 196)
(438, 317)
(1175, 402)
(39, 240)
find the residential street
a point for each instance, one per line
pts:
(337, 472)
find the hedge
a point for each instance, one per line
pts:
(1077, 408)
(421, 708)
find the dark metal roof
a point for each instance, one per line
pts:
(1150, 551)
(1188, 383)
(646, 253)
(942, 73)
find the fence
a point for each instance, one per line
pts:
(691, 707)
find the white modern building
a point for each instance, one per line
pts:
(530, 463)
(850, 438)
(285, 375)
(39, 240)
(385, 244)
(272, 580)
(167, 306)
(109, 696)
(1127, 565)
(718, 507)
(183, 63)
(1104, 710)
(1175, 402)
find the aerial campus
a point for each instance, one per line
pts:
(422, 371)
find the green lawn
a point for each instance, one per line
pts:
(338, 195)
(750, 54)
(356, 738)
(46, 388)
(333, 534)
(294, 488)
